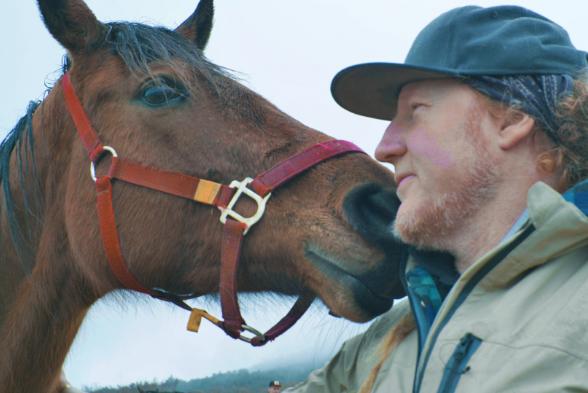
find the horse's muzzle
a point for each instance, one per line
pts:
(371, 209)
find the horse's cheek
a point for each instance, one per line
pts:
(81, 221)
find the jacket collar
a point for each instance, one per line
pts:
(578, 195)
(561, 227)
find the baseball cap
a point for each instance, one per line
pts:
(465, 41)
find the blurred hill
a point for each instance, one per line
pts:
(240, 381)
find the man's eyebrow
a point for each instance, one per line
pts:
(414, 92)
(417, 97)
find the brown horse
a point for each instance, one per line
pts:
(152, 95)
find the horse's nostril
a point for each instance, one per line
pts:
(371, 209)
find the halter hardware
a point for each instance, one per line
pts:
(241, 188)
(93, 163)
(257, 335)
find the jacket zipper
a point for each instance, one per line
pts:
(468, 288)
(458, 363)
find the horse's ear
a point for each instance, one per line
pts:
(72, 23)
(198, 26)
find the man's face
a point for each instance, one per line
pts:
(274, 389)
(444, 165)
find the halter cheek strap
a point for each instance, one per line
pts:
(202, 191)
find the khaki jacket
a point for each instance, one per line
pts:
(511, 323)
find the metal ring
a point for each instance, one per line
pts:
(93, 163)
(255, 332)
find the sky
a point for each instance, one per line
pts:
(286, 50)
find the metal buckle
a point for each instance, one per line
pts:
(241, 187)
(93, 163)
(197, 314)
(256, 334)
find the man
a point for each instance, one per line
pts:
(489, 140)
(274, 387)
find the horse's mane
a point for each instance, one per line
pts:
(138, 46)
(20, 140)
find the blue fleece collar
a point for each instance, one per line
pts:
(578, 195)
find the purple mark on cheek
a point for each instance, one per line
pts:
(424, 145)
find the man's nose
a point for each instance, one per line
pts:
(392, 145)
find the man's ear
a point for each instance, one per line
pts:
(515, 127)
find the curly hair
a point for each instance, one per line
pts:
(572, 151)
(565, 152)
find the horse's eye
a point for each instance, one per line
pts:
(162, 94)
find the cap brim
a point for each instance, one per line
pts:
(372, 89)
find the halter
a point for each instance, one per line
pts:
(224, 197)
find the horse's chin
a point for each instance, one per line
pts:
(345, 294)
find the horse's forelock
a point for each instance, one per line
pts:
(140, 47)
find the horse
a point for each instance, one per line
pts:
(151, 95)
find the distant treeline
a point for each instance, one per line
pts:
(241, 381)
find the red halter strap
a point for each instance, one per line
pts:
(202, 191)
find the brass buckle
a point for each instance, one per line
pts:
(241, 188)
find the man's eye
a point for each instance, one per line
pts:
(416, 105)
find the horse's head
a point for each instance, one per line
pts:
(152, 95)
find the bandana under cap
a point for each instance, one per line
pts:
(536, 95)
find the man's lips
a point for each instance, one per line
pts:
(403, 178)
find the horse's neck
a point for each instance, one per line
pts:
(40, 320)
(11, 272)
(41, 325)
(40, 310)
